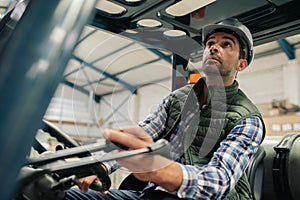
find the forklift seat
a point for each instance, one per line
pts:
(255, 173)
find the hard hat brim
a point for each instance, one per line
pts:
(210, 29)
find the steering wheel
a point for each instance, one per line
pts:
(54, 175)
(39, 183)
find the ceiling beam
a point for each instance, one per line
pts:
(128, 86)
(287, 48)
(97, 98)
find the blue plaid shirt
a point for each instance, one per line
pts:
(227, 165)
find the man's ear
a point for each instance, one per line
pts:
(243, 64)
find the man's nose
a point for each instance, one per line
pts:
(214, 48)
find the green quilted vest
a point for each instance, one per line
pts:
(225, 108)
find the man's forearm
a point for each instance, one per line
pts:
(169, 177)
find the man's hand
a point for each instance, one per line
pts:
(146, 167)
(84, 183)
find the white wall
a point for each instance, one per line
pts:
(69, 106)
(114, 111)
(272, 78)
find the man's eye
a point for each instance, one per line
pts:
(227, 44)
(209, 43)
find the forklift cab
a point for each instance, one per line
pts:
(43, 37)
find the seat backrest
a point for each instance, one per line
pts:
(255, 173)
(269, 190)
(293, 169)
(286, 164)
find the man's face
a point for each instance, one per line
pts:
(221, 55)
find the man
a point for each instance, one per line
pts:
(212, 138)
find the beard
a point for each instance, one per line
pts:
(211, 68)
(216, 73)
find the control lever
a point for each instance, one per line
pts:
(80, 151)
(160, 147)
(121, 146)
(156, 148)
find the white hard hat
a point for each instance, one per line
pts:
(239, 30)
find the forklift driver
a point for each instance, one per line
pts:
(219, 173)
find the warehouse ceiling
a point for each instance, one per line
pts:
(129, 43)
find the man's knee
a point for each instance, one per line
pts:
(75, 194)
